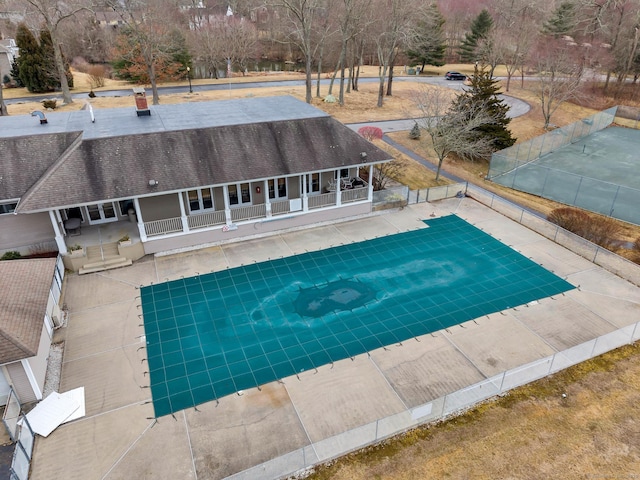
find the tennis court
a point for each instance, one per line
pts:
(212, 335)
(599, 172)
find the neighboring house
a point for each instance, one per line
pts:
(30, 291)
(185, 175)
(8, 54)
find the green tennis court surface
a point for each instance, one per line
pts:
(215, 334)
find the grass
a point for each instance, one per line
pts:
(533, 432)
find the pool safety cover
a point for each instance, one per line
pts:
(215, 334)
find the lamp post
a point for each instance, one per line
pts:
(189, 78)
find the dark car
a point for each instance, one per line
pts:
(455, 76)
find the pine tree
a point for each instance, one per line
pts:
(562, 21)
(414, 133)
(483, 96)
(480, 28)
(30, 60)
(429, 46)
(49, 63)
(35, 67)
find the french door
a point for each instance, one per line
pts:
(101, 213)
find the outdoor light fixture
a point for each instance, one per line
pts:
(189, 78)
(153, 183)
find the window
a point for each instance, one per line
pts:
(315, 182)
(8, 207)
(278, 188)
(125, 206)
(201, 199)
(239, 194)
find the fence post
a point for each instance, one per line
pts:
(417, 196)
(613, 203)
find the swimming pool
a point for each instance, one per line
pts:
(215, 334)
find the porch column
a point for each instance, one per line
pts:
(370, 192)
(32, 379)
(338, 191)
(143, 233)
(227, 209)
(62, 247)
(183, 214)
(267, 200)
(305, 198)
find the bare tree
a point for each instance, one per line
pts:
(393, 26)
(560, 68)
(451, 131)
(301, 16)
(517, 23)
(151, 25)
(53, 13)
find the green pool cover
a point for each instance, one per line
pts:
(215, 334)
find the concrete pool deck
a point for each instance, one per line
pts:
(118, 438)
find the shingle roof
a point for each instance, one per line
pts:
(117, 167)
(23, 160)
(25, 288)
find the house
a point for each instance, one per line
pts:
(8, 53)
(28, 312)
(184, 175)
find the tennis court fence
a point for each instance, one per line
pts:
(509, 159)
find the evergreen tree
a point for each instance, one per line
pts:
(480, 28)
(483, 96)
(49, 64)
(35, 67)
(429, 46)
(30, 61)
(562, 21)
(15, 74)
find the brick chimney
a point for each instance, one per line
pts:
(142, 108)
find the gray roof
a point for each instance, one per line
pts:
(112, 122)
(258, 139)
(25, 288)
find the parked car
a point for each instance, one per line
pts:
(455, 76)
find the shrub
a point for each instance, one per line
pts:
(414, 134)
(635, 248)
(11, 255)
(604, 231)
(96, 75)
(571, 219)
(370, 133)
(50, 104)
(597, 229)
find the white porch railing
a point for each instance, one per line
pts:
(354, 194)
(323, 200)
(208, 219)
(161, 227)
(249, 213)
(280, 207)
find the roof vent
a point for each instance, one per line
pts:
(38, 113)
(142, 108)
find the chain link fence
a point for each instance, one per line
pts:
(507, 160)
(460, 400)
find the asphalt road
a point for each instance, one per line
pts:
(517, 107)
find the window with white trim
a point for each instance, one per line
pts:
(313, 182)
(277, 188)
(7, 207)
(201, 199)
(239, 194)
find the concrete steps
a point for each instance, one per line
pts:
(103, 257)
(106, 264)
